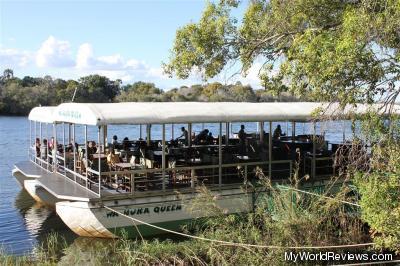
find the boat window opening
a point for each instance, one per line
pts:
(161, 162)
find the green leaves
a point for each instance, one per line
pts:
(336, 50)
(205, 46)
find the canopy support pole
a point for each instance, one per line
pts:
(190, 134)
(172, 131)
(98, 151)
(30, 140)
(41, 142)
(220, 156)
(314, 149)
(140, 131)
(74, 149)
(105, 141)
(86, 156)
(294, 131)
(261, 133)
(163, 157)
(148, 134)
(47, 148)
(65, 163)
(270, 151)
(55, 147)
(227, 134)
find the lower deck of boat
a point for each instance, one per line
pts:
(65, 189)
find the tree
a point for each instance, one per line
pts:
(96, 88)
(140, 92)
(329, 49)
(326, 50)
(7, 74)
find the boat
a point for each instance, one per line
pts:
(96, 187)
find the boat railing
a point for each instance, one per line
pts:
(45, 164)
(148, 179)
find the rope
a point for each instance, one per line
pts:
(319, 195)
(238, 244)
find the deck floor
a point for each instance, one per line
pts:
(56, 184)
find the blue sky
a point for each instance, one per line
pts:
(119, 39)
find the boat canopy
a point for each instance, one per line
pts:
(98, 114)
(43, 114)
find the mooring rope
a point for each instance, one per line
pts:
(238, 244)
(319, 195)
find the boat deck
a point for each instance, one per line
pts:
(29, 169)
(59, 186)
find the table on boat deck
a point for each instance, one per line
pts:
(101, 156)
(125, 165)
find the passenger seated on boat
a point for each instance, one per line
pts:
(185, 135)
(114, 140)
(43, 149)
(112, 158)
(70, 147)
(37, 147)
(210, 139)
(91, 149)
(201, 137)
(278, 133)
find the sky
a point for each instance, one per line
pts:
(125, 40)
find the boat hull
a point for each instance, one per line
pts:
(20, 177)
(40, 194)
(169, 212)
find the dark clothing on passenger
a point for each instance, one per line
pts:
(242, 135)
(202, 136)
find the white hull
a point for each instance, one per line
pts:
(170, 211)
(40, 194)
(20, 177)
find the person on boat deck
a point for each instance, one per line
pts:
(91, 148)
(184, 136)
(125, 144)
(278, 132)
(242, 140)
(242, 134)
(37, 147)
(112, 158)
(201, 137)
(210, 139)
(115, 140)
(43, 149)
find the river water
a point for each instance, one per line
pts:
(24, 224)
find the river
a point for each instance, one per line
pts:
(24, 224)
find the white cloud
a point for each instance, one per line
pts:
(84, 55)
(10, 58)
(54, 53)
(58, 58)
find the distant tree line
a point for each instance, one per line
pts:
(18, 96)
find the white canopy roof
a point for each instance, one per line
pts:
(42, 114)
(196, 112)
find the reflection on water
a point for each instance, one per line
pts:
(24, 224)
